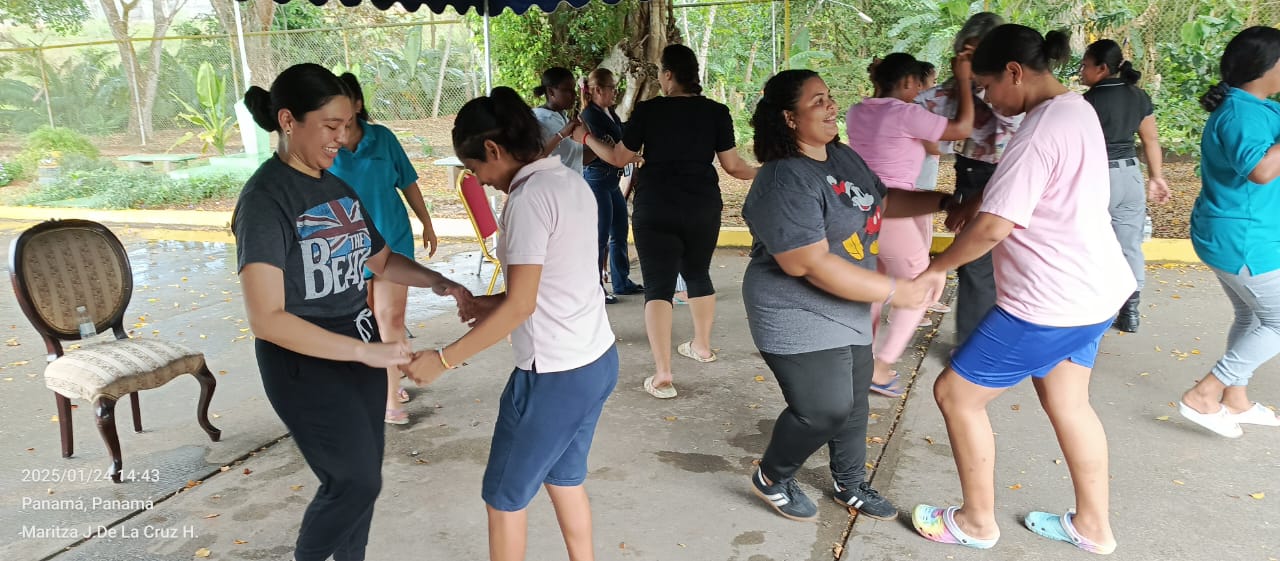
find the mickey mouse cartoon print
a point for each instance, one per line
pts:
(863, 201)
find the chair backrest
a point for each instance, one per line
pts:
(59, 265)
(471, 191)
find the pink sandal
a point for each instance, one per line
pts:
(396, 417)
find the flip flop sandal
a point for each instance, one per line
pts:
(396, 417)
(664, 392)
(940, 308)
(403, 396)
(1060, 528)
(892, 389)
(939, 525)
(686, 349)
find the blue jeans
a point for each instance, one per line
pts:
(611, 226)
(1254, 337)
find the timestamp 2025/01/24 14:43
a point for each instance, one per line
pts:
(84, 475)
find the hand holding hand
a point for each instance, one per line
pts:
(580, 132)
(1158, 190)
(448, 287)
(570, 128)
(476, 309)
(961, 214)
(425, 368)
(384, 355)
(934, 281)
(911, 294)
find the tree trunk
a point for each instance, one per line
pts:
(706, 44)
(444, 67)
(255, 17)
(651, 28)
(751, 64)
(163, 12)
(118, 21)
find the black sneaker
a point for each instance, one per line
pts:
(866, 500)
(610, 299)
(785, 497)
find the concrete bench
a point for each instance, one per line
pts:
(166, 161)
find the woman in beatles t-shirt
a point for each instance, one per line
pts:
(302, 243)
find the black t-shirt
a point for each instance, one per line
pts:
(605, 125)
(313, 229)
(1121, 108)
(680, 137)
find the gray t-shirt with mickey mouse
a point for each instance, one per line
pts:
(793, 203)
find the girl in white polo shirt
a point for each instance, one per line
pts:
(566, 362)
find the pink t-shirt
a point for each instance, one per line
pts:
(887, 132)
(550, 220)
(1061, 266)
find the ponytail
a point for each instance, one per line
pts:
(682, 63)
(1213, 98)
(502, 117)
(1023, 45)
(1128, 73)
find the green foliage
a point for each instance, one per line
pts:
(115, 188)
(578, 39)
(10, 171)
(298, 15)
(46, 141)
(212, 115)
(1190, 69)
(63, 16)
(87, 91)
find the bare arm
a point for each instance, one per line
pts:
(961, 127)
(900, 203)
(264, 303)
(565, 133)
(816, 264)
(932, 148)
(734, 165)
(1157, 187)
(977, 239)
(614, 154)
(429, 240)
(1268, 169)
(402, 270)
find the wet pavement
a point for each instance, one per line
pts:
(668, 479)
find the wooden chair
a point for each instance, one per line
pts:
(471, 191)
(59, 265)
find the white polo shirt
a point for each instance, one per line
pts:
(550, 220)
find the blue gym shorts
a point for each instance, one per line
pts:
(1005, 350)
(544, 430)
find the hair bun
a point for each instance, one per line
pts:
(1057, 47)
(258, 102)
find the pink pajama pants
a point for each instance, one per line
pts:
(904, 254)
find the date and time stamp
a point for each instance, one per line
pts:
(94, 504)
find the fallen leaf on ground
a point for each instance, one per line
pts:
(239, 542)
(622, 545)
(19, 363)
(13, 342)
(1015, 407)
(224, 468)
(1162, 418)
(838, 550)
(1258, 496)
(214, 515)
(247, 471)
(53, 419)
(928, 439)
(669, 418)
(759, 378)
(875, 440)
(1058, 461)
(295, 487)
(1016, 486)
(203, 552)
(1178, 482)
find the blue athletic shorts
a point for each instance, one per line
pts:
(544, 429)
(1005, 350)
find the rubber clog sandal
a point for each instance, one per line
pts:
(1256, 415)
(940, 308)
(664, 392)
(403, 396)
(1060, 528)
(396, 417)
(686, 349)
(1219, 422)
(892, 389)
(938, 524)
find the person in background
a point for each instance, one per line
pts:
(603, 123)
(561, 93)
(975, 160)
(374, 164)
(1234, 224)
(928, 178)
(302, 242)
(1062, 276)
(676, 222)
(1124, 109)
(889, 133)
(566, 359)
(814, 211)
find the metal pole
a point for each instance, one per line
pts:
(786, 32)
(488, 55)
(773, 35)
(244, 54)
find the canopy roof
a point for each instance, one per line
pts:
(462, 6)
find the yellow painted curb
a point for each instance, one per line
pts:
(1153, 250)
(187, 218)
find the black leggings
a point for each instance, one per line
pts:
(334, 411)
(676, 237)
(826, 395)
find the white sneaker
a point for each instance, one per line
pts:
(1256, 415)
(1220, 421)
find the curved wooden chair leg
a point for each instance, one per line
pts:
(207, 384)
(64, 425)
(137, 412)
(105, 410)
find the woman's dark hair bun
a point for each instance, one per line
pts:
(1057, 48)
(258, 102)
(1128, 73)
(1213, 98)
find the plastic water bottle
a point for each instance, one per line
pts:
(87, 330)
(1146, 229)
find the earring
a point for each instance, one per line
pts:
(288, 132)
(1017, 82)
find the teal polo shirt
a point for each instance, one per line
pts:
(378, 170)
(1235, 223)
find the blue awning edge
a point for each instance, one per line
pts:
(496, 7)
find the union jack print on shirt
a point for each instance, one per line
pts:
(335, 244)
